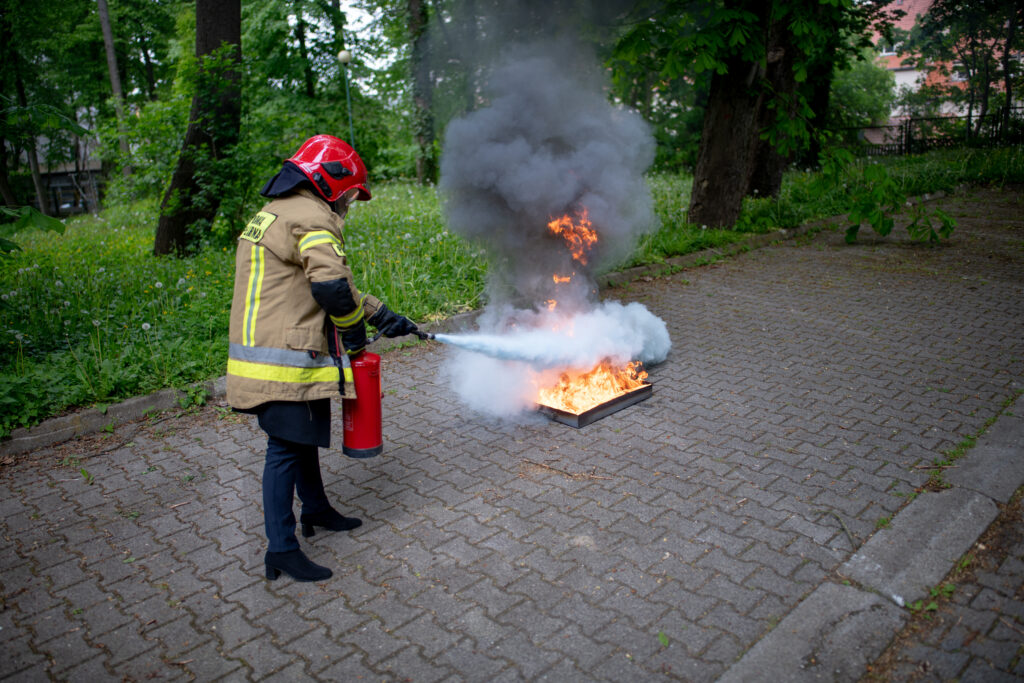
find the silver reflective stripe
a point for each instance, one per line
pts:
(288, 357)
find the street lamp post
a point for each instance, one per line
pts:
(345, 57)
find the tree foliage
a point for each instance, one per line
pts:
(759, 70)
(972, 46)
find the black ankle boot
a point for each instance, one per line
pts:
(295, 564)
(328, 519)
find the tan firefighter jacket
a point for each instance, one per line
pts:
(279, 336)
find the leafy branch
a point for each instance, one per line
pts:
(874, 197)
(17, 219)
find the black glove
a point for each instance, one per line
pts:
(354, 338)
(390, 324)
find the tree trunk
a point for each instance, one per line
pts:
(300, 36)
(1008, 64)
(986, 86)
(423, 118)
(214, 122)
(769, 162)
(819, 95)
(150, 73)
(5, 182)
(724, 159)
(115, 82)
(42, 197)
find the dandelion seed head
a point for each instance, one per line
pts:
(145, 326)
(158, 284)
(95, 323)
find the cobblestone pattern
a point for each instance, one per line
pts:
(805, 383)
(977, 632)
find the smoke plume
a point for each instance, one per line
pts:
(547, 143)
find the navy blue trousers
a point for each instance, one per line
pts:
(290, 468)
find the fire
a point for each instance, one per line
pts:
(578, 236)
(558, 280)
(551, 303)
(578, 392)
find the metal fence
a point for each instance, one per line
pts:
(915, 135)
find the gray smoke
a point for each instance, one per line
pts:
(548, 143)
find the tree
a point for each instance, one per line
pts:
(419, 67)
(50, 64)
(760, 57)
(862, 95)
(115, 77)
(973, 44)
(194, 195)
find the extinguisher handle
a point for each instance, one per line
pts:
(419, 333)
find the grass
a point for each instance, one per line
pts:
(91, 317)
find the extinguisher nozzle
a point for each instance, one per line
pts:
(425, 336)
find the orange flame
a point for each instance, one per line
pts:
(551, 303)
(577, 392)
(561, 280)
(579, 236)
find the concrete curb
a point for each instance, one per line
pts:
(832, 635)
(837, 630)
(90, 420)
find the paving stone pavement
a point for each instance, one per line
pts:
(807, 383)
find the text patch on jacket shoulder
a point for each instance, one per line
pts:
(258, 226)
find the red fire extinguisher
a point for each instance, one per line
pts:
(362, 415)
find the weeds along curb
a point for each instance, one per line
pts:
(90, 420)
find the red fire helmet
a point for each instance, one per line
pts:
(332, 166)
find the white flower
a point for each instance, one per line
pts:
(145, 326)
(4, 297)
(101, 270)
(202, 295)
(95, 323)
(58, 283)
(407, 236)
(67, 304)
(158, 284)
(181, 281)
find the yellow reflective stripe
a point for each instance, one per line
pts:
(352, 318)
(316, 238)
(281, 373)
(252, 299)
(349, 377)
(347, 321)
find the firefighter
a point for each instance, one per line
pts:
(296, 320)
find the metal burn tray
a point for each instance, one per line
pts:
(597, 412)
